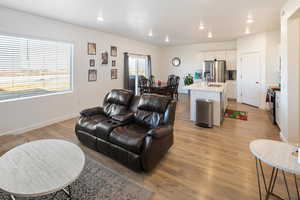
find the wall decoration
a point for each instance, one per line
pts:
(104, 57)
(176, 62)
(91, 48)
(114, 74)
(113, 63)
(113, 51)
(92, 75)
(92, 62)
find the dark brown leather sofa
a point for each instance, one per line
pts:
(137, 131)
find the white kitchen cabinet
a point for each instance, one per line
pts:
(277, 108)
(231, 60)
(221, 55)
(210, 55)
(231, 89)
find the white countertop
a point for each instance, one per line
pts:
(202, 86)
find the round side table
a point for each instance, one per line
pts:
(41, 167)
(279, 156)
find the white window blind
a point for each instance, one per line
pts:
(31, 67)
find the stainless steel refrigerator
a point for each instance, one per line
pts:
(214, 70)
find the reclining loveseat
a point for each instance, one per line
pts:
(137, 131)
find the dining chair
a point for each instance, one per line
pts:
(151, 81)
(170, 78)
(177, 80)
(143, 84)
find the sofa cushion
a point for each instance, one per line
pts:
(117, 102)
(131, 137)
(124, 118)
(150, 110)
(148, 118)
(111, 109)
(120, 97)
(89, 124)
(134, 103)
(153, 102)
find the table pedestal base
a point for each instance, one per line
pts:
(67, 192)
(270, 188)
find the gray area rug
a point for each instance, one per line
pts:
(97, 182)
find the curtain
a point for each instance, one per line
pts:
(126, 71)
(149, 66)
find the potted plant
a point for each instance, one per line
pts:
(188, 80)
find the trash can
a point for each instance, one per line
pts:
(204, 113)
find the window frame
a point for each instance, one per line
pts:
(70, 91)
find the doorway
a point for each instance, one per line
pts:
(138, 67)
(251, 78)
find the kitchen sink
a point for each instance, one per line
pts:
(214, 85)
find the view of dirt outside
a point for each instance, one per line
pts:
(24, 82)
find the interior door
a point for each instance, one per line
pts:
(251, 78)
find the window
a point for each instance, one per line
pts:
(138, 66)
(31, 67)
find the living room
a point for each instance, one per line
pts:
(91, 47)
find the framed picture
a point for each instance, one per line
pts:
(104, 57)
(92, 75)
(92, 62)
(113, 51)
(114, 74)
(91, 48)
(113, 63)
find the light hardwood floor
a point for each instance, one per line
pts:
(203, 163)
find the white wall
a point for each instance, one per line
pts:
(191, 58)
(290, 47)
(273, 58)
(22, 115)
(267, 45)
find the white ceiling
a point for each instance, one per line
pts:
(179, 19)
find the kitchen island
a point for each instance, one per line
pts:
(212, 91)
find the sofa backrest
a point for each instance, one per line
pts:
(117, 102)
(134, 103)
(151, 110)
(169, 115)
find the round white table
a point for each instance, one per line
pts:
(278, 155)
(40, 167)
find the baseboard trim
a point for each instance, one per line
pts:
(284, 139)
(40, 125)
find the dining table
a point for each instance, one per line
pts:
(161, 88)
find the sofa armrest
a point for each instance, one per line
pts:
(161, 131)
(156, 145)
(123, 117)
(92, 111)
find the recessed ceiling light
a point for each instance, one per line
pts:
(100, 19)
(210, 35)
(247, 31)
(250, 20)
(201, 27)
(150, 34)
(167, 39)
